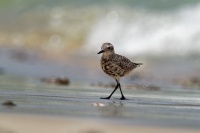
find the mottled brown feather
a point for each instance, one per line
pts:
(116, 65)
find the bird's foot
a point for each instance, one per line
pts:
(123, 98)
(105, 97)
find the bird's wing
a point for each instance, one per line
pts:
(123, 62)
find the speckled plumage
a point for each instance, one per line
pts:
(115, 65)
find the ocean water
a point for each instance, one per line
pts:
(135, 27)
(162, 34)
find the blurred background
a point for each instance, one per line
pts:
(44, 43)
(61, 38)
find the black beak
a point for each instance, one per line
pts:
(100, 52)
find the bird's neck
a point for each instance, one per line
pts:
(107, 55)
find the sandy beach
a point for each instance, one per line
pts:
(15, 123)
(41, 108)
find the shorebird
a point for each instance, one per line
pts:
(115, 66)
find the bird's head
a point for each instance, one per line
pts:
(106, 48)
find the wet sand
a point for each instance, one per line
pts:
(77, 108)
(14, 123)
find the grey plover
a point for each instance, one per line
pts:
(115, 66)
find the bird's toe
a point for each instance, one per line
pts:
(105, 98)
(123, 98)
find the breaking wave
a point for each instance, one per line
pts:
(137, 32)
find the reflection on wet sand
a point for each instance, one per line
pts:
(114, 109)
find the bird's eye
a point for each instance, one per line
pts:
(109, 47)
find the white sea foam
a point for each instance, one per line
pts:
(137, 32)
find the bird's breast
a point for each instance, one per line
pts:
(111, 68)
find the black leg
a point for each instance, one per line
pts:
(123, 97)
(111, 93)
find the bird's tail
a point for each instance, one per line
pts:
(138, 64)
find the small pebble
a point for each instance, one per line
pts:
(9, 103)
(98, 104)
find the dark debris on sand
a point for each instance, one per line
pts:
(9, 103)
(56, 81)
(189, 82)
(128, 86)
(143, 87)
